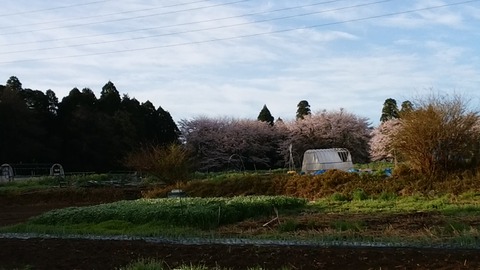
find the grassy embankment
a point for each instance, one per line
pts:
(341, 207)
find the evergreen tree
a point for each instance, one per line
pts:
(303, 109)
(265, 115)
(81, 132)
(21, 131)
(42, 123)
(110, 99)
(52, 102)
(390, 110)
(14, 84)
(36, 101)
(407, 107)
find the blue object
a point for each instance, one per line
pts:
(319, 172)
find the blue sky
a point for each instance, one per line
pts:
(230, 57)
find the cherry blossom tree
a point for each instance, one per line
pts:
(226, 143)
(381, 142)
(328, 130)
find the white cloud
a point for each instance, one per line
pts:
(429, 13)
(355, 65)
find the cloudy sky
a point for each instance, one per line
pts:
(230, 57)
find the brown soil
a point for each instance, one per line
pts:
(41, 253)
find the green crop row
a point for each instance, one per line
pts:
(203, 213)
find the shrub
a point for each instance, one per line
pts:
(387, 196)
(289, 225)
(171, 164)
(338, 197)
(438, 137)
(401, 170)
(359, 195)
(334, 179)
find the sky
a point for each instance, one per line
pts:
(228, 58)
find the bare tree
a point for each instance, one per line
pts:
(171, 164)
(439, 136)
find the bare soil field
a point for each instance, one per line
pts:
(46, 253)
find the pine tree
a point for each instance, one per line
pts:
(14, 84)
(303, 109)
(265, 115)
(407, 107)
(390, 110)
(110, 99)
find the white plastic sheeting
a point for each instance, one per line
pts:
(315, 160)
(6, 173)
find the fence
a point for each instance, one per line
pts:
(11, 172)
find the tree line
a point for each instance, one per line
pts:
(86, 133)
(434, 136)
(82, 132)
(430, 139)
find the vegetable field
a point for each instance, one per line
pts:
(110, 228)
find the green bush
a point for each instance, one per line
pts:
(289, 225)
(338, 197)
(387, 196)
(359, 195)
